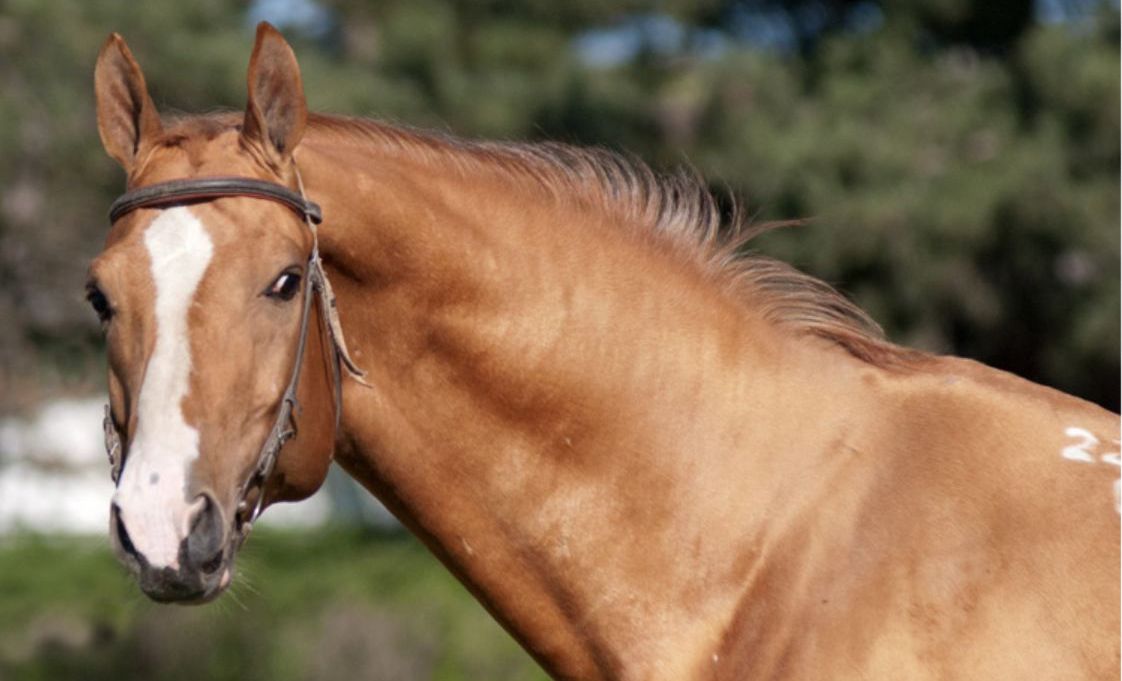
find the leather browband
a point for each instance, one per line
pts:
(206, 188)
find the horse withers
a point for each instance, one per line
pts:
(648, 458)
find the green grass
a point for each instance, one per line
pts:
(337, 604)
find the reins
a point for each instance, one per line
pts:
(315, 284)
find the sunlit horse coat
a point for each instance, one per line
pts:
(648, 458)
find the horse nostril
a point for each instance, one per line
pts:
(211, 566)
(123, 534)
(206, 539)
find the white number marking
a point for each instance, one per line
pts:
(1112, 457)
(1082, 451)
(1079, 451)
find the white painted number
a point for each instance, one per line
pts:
(1112, 457)
(1080, 451)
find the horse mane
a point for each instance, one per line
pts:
(677, 211)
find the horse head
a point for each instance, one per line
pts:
(202, 298)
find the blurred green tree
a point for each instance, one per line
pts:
(959, 158)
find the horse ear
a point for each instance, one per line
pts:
(276, 113)
(126, 117)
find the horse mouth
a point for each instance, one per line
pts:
(167, 585)
(203, 568)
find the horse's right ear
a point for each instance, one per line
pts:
(126, 117)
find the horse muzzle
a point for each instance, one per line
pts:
(204, 563)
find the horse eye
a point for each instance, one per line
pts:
(285, 286)
(99, 303)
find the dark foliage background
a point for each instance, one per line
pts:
(959, 158)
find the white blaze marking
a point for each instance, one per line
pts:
(153, 492)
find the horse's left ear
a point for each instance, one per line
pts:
(275, 113)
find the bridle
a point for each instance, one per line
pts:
(190, 190)
(173, 192)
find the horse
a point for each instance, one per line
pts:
(648, 455)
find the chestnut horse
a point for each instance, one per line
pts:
(648, 458)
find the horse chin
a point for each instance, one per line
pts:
(194, 587)
(167, 592)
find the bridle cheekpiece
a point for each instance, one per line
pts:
(190, 190)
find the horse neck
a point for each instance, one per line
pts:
(580, 424)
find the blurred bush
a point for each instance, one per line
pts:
(334, 606)
(960, 159)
